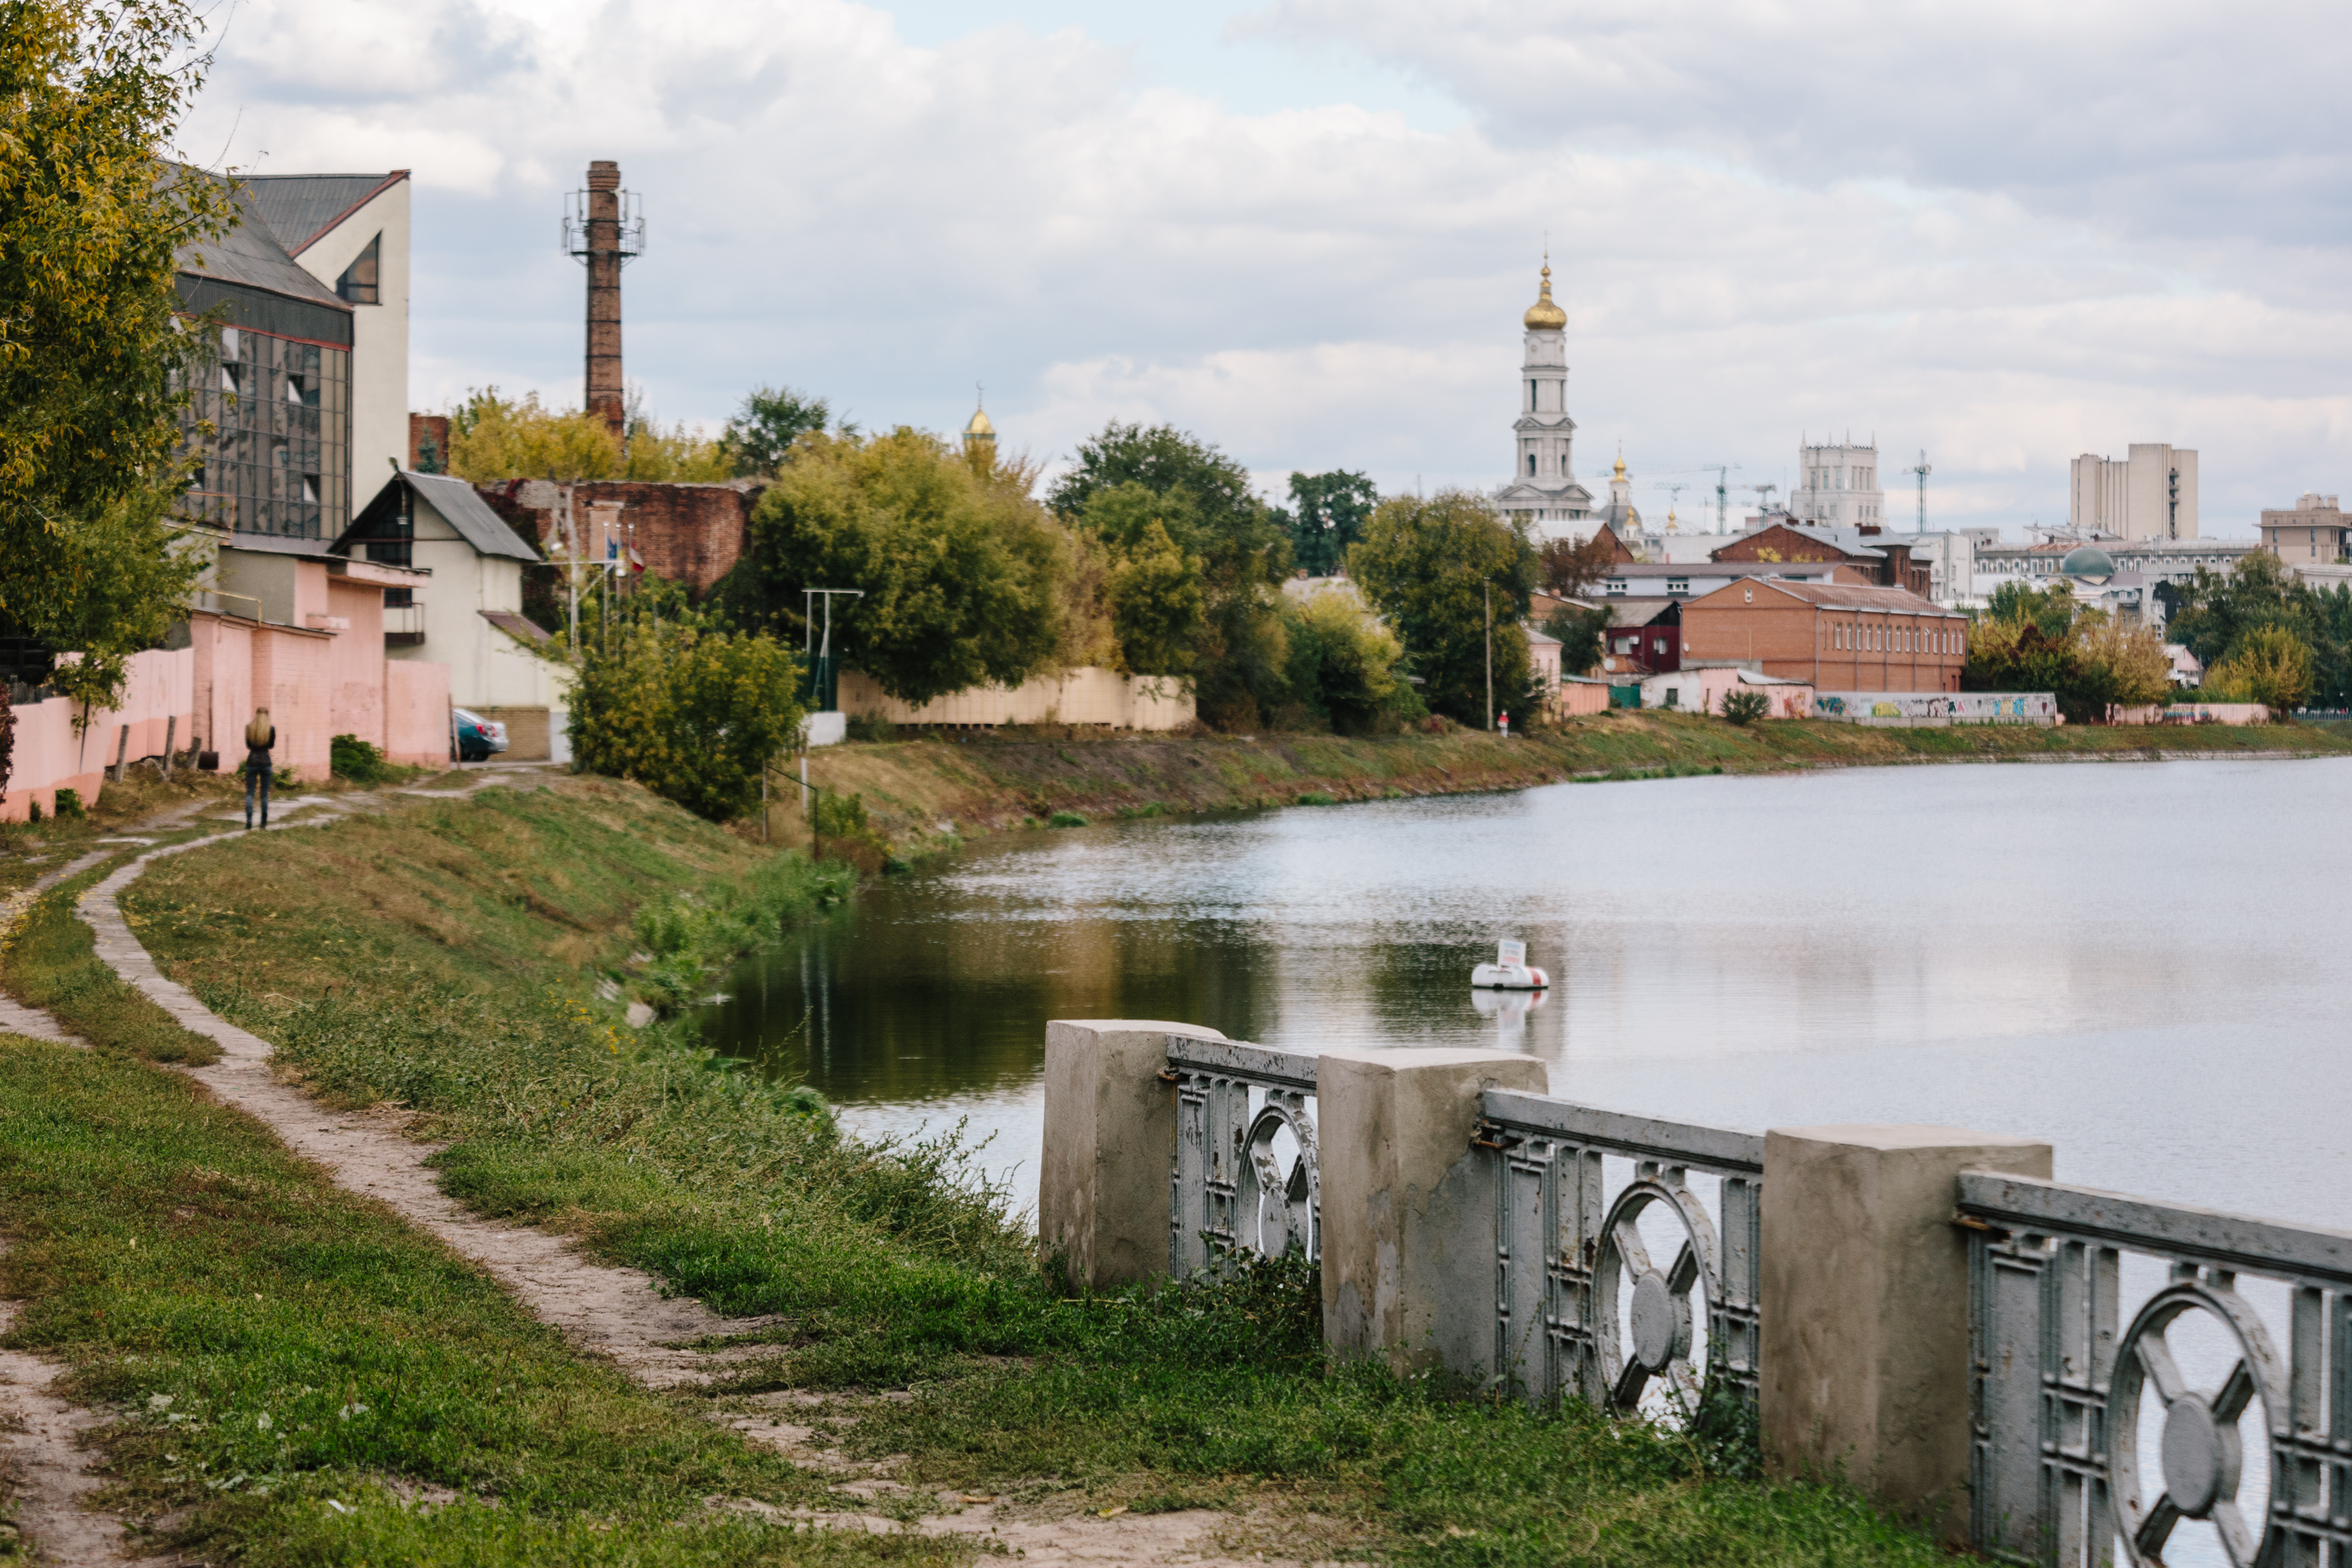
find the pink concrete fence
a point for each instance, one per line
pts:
(50, 755)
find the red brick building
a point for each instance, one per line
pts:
(1880, 556)
(692, 535)
(1839, 636)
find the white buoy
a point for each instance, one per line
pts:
(1510, 972)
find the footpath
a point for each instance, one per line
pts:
(618, 1314)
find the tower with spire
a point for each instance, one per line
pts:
(980, 436)
(1543, 492)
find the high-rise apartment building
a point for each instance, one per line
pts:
(2150, 494)
(1837, 485)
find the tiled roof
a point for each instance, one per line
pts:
(298, 208)
(1846, 597)
(250, 254)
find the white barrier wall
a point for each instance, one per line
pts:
(1087, 696)
(1927, 710)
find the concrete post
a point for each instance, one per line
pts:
(1111, 1142)
(1408, 1216)
(1865, 1285)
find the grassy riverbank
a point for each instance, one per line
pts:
(447, 956)
(991, 781)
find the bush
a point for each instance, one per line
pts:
(866, 727)
(354, 758)
(1065, 819)
(1342, 665)
(1317, 798)
(1744, 708)
(69, 805)
(2269, 665)
(694, 715)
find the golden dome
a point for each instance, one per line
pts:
(980, 426)
(1621, 465)
(1543, 316)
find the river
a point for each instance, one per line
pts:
(2142, 962)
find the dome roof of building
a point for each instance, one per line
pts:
(2088, 561)
(980, 425)
(1543, 316)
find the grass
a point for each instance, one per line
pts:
(990, 782)
(445, 957)
(292, 1369)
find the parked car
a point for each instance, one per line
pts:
(478, 737)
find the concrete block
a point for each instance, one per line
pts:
(1111, 1141)
(1864, 1287)
(1408, 1214)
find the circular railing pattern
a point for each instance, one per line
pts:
(1290, 1190)
(1666, 1304)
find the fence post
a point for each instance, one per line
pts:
(1109, 1142)
(1864, 1287)
(1408, 1211)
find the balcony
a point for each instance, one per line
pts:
(403, 625)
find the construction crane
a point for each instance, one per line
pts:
(1722, 472)
(1923, 470)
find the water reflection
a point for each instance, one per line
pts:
(2140, 962)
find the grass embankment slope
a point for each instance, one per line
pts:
(444, 956)
(991, 781)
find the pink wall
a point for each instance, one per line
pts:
(291, 679)
(416, 712)
(49, 756)
(1576, 697)
(355, 661)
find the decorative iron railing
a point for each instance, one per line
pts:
(1582, 1307)
(1245, 1176)
(2097, 1440)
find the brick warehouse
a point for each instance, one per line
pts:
(1839, 636)
(691, 534)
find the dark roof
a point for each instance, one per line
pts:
(1716, 568)
(250, 255)
(454, 500)
(298, 208)
(516, 626)
(1846, 597)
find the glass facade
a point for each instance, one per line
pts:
(280, 458)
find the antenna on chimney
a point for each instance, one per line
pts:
(605, 227)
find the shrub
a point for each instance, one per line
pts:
(1317, 798)
(68, 805)
(694, 715)
(1065, 819)
(1744, 708)
(7, 740)
(356, 759)
(866, 727)
(2269, 665)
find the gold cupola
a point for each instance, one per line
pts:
(1543, 316)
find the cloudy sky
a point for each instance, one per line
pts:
(2002, 233)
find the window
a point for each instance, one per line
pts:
(358, 283)
(1616, 587)
(1533, 403)
(1531, 465)
(1677, 585)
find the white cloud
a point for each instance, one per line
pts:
(1933, 255)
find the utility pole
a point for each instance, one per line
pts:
(1923, 470)
(1486, 586)
(822, 686)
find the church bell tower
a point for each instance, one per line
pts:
(1543, 492)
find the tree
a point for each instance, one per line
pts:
(93, 349)
(1343, 664)
(962, 575)
(1328, 515)
(1579, 633)
(2269, 665)
(1203, 497)
(1568, 566)
(1428, 565)
(1155, 605)
(494, 437)
(694, 714)
(2124, 663)
(759, 440)
(2050, 608)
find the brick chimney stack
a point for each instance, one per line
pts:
(603, 256)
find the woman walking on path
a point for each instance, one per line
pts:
(259, 737)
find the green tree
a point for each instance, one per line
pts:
(692, 713)
(1204, 499)
(1156, 605)
(1579, 633)
(1328, 513)
(2050, 608)
(93, 350)
(492, 436)
(760, 437)
(1343, 665)
(1430, 567)
(2269, 664)
(961, 573)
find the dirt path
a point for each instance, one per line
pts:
(50, 1470)
(618, 1313)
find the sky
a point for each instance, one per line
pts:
(1999, 233)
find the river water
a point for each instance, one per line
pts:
(2142, 962)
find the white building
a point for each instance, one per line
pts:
(470, 616)
(1838, 485)
(1543, 492)
(351, 233)
(2151, 494)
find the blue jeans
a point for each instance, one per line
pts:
(253, 778)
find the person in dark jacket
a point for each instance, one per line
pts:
(259, 737)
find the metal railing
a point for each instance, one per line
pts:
(1581, 1305)
(2070, 1404)
(1245, 1176)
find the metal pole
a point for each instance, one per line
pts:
(1487, 589)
